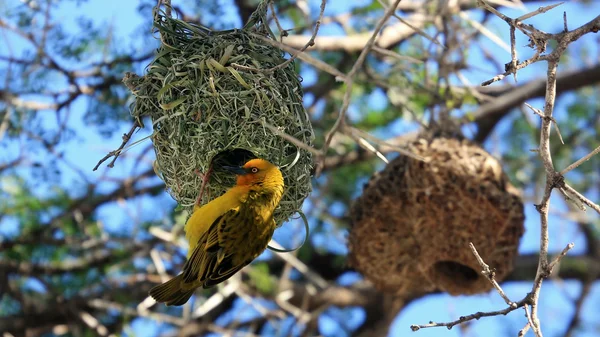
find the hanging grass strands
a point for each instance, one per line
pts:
(213, 92)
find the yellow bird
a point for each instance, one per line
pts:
(227, 233)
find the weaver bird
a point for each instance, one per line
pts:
(227, 233)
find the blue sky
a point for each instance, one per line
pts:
(123, 18)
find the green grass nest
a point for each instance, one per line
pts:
(201, 105)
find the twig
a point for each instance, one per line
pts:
(542, 208)
(294, 53)
(395, 55)
(263, 310)
(541, 114)
(413, 27)
(470, 317)
(291, 139)
(574, 201)
(513, 52)
(349, 83)
(530, 322)
(582, 198)
(5, 121)
(212, 302)
(518, 66)
(117, 152)
(93, 323)
(367, 146)
(358, 134)
(489, 274)
(282, 32)
(560, 256)
(537, 37)
(128, 311)
(308, 44)
(553, 179)
(523, 331)
(300, 266)
(159, 265)
(485, 31)
(493, 10)
(581, 161)
(538, 11)
(319, 64)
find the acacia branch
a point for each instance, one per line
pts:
(554, 179)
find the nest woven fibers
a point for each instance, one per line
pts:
(412, 226)
(209, 92)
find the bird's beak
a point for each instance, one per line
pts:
(235, 169)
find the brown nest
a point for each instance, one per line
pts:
(412, 226)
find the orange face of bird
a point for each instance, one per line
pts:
(254, 171)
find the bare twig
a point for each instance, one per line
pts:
(537, 37)
(546, 156)
(125, 310)
(282, 32)
(117, 152)
(581, 197)
(318, 64)
(523, 331)
(471, 317)
(485, 31)
(383, 145)
(525, 303)
(93, 323)
(310, 43)
(581, 161)
(291, 139)
(489, 274)
(414, 27)
(511, 70)
(541, 114)
(538, 11)
(300, 266)
(212, 302)
(350, 81)
(530, 322)
(560, 256)
(367, 146)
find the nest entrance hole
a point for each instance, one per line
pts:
(454, 274)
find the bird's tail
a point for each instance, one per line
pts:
(172, 292)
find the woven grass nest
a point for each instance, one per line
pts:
(203, 100)
(412, 226)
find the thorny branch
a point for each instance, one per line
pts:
(554, 179)
(475, 316)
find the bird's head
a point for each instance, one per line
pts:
(257, 173)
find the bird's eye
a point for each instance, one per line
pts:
(254, 170)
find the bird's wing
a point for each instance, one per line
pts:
(223, 271)
(204, 255)
(209, 263)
